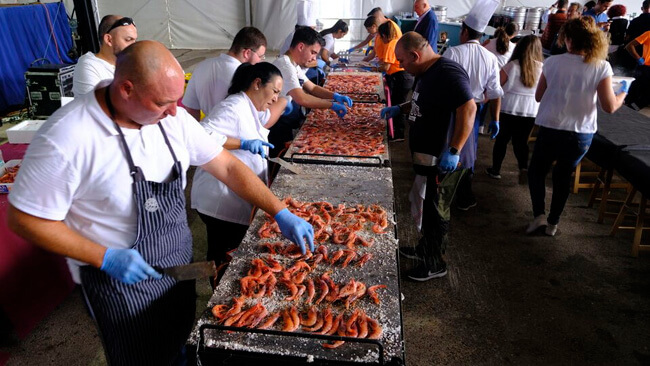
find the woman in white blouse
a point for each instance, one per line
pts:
(519, 79)
(500, 45)
(569, 89)
(245, 116)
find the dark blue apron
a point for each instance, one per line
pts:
(147, 323)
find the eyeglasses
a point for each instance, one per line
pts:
(262, 57)
(121, 23)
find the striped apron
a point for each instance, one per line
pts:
(147, 323)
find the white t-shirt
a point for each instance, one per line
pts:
(518, 99)
(237, 117)
(329, 43)
(569, 102)
(75, 169)
(210, 82)
(293, 76)
(482, 68)
(501, 59)
(88, 72)
(287, 43)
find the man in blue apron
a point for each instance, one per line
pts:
(441, 113)
(102, 184)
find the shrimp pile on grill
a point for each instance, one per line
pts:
(362, 86)
(360, 133)
(338, 224)
(286, 290)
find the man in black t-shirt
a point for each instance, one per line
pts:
(640, 24)
(441, 113)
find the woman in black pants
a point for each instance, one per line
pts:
(519, 79)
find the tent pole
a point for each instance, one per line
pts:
(247, 10)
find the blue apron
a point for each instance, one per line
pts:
(147, 323)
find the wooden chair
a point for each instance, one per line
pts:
(639, 211)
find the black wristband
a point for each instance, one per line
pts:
(453, 150)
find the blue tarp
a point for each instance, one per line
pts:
(26, 35)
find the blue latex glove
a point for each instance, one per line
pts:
(343, 99)
(295, 229)
(343, 60)
(641, 61)
(127, 266)
(390, 112)
(448, 162)
(288, 109)
(255, 146)
(351, 50)
(339, 109)
(625, 87)
(493, 129)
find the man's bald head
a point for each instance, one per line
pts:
(414, 53)
(420, 7)
(105, 24)
(145, 63)
(147, 85)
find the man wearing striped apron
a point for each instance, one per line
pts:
(96, 186)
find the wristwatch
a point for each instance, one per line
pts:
(453, 150)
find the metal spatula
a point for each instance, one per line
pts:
(190, 271)
(291, 167)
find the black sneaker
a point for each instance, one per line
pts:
(424, 272)
(416, 252)
(493, 173)
(466, 205)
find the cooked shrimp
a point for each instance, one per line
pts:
(311, 291)
(270, 321)
(373, 294)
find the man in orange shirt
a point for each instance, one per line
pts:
(399, 81)
(639, 95)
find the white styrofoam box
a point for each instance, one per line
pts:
(6, 187)
(23, 132)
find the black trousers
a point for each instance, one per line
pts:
(435, 229)
(400, 84)
(518, 129)
(223, 236)
(282, 130)
(639, 93)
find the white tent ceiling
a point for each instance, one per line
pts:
(209, 24)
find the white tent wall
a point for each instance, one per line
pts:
(210, 24)
(195, 24)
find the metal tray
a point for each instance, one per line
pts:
(350, 185)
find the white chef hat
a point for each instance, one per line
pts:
(479, 17)
(306, 13)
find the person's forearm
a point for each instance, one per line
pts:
(495, 108)
(309, 101)
(464, 124)
(383, 67)
(232, 143)
(631, 48)
(55, 236)
(276, 110)
(241, 180)
(320, 92)
(370, 56)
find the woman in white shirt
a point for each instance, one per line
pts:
(569, 89)
(519, 79)
(245, 116)
(337, 31)
(500, 45)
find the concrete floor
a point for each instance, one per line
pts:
(577, 298)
